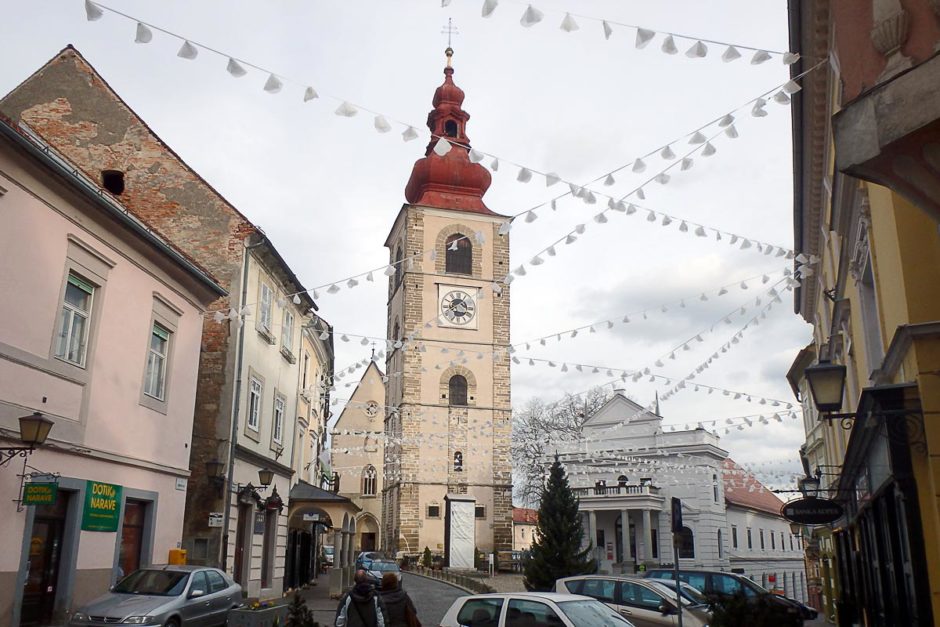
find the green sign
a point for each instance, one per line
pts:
(102, 506)
(40, 493)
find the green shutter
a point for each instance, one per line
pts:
(161, 332)
(80, 284)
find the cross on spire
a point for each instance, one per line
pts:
(450, 30)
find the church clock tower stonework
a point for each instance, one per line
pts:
(448, 420)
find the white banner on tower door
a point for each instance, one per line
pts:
(462, 533)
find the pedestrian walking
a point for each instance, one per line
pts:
(399, 606)
(362, 606)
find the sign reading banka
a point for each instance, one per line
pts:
(102, 506)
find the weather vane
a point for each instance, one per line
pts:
(450, 30)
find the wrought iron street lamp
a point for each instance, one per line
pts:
(809, 487)
(827, 386)
(34, 429)
(265, 477)
(215, 472)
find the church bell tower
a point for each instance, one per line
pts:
(448, 420)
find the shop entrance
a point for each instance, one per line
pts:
(45, 554)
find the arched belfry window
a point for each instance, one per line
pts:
(457, 390)
(450, 128)
(459, 254)
(622, 480)
(458, 462)
(686, 544)
(368, 481)
(398, 266)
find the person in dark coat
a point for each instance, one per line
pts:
(401, 610)
(362, 606)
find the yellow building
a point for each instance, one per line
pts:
(872, 110)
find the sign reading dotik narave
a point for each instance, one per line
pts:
(37, 493)
(102, 506)
(812, 511)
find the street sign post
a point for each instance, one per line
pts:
(676, 530)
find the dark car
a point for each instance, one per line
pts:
(377, 568)
(722, 585)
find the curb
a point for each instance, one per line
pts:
(449, 583)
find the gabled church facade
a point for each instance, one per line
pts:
(448, 422)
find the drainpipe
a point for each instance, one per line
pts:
(235, 405)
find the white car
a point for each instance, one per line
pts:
(531, 609)
(646, 602)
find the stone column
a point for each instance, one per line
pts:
(336, 572)
(647, 537)
(592, 529)
(348, 564)
(625, 536)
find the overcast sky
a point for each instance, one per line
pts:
(326, 188)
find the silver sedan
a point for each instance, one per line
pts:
(171, 596)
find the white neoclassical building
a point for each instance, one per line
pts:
(626, 468)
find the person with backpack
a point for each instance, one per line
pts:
(401, 609)
(362, 606)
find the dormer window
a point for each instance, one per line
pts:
(113, 181)
(450, 128)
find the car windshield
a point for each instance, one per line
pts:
(384, 567)
(690, 595)
(591, 614)
(164, 583)
(748, 582)
(328, 550)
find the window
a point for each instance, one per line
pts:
(278, 433)
(726, 585)
(636, 595)
(303, 374)
(479, 511)
(255, 388)
(458, 254)
(216, 581)
(750, 542)
(734, 537)
(781, 541)
(287, 332)
(686, 544)
(399, 270)
(773, 542)
(654, 539)
(155, 381)
(761, 539)
(457, 390)
(74, 321)
(264, 308)
(113, 181)
(791, 543)
(450, 128)
(696, 580)
(368, 481)
(480, 612)
(458, 462)
(434, 511)
(600, 589)
(715, 487)
(721, 548)
(524, 613)
(199, 582)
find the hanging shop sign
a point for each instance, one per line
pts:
(812, 511)
(215, 519)
(40, 493)
(102, 506)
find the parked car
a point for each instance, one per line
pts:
(165, 595)
(531, 609)
(376, 569)
(718, 585)
(363, 559)
(328, 554)
(644, 602)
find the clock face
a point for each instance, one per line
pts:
(457, 307)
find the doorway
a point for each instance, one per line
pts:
(367, 542)
(243, 543)
(45, 557)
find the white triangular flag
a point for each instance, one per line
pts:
(759, 57)
(568, 24)
(520, 271)
(381, 124)
(494, 164)
(488, 7)
(709, 150)
(234, 68)
(273, 84)
(92, 11)
(442, 147)
(579, 228)
(697, 138)
(791, 87)
(758, 109)
(351, 283)
(730, 54)
(781, 97)
(600, 218)
(409, 133)
(700, 231)
(504, 228)
(551, 178)
(609, 180)
(686, 164)
(667, 153)
(608, 31)
(536, 261)
(639, 165)
(296, 299)
(651, 217)
(643, 37)
(727, 120)
(731, 131)
(789, 58)
(667, 220)
(683, 227)
(476, 156)
(144, 35)
(187, 51)
(662, 178)
(531, 17)
(641, 194)
(332, 289)
(589, 197)
(346, 110)
(530, 216)
(551, 251)
(697, 51)
(669, 45)
(310, 93)
(524, 176)
(631, 209)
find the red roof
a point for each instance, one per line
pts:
(744, 490)
(524, 515)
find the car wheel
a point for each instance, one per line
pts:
(173, 622)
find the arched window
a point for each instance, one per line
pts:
(459, 254)
(686, 544)
(398, 267)
(457, 390)
(715, 486)
(458, 462)
(368, 481)
(622, 480)
(450, 128)
(721, 548)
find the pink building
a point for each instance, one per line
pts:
(103, 337)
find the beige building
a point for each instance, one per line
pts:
(358, 446)
(525, 522)
(448, 420)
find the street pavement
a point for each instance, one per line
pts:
(432, 598)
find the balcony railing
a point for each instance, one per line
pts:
(616, 490)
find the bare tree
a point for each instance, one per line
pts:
(540, 426)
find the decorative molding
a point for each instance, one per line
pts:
(861, 245)
(889, 34)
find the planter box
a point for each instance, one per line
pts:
(258, 618)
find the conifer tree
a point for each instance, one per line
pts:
(556, 551)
